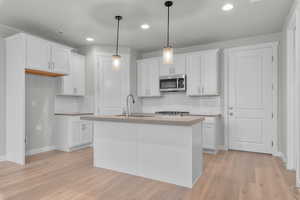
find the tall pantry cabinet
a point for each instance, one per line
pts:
(34, 55)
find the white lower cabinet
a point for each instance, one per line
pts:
(211, 140)
(72, 133)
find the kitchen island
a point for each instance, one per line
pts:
(163, 148)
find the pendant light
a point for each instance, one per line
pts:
(116, 59)
(168, 50)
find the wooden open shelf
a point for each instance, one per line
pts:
(42, 73)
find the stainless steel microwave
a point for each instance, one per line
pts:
(174, 83)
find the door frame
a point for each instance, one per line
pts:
(274, 47)
(293, 94)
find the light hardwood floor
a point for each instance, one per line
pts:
(227, 176)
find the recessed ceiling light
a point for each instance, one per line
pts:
(227, 7)
(255, 1)
(89, 39)
(145, 26)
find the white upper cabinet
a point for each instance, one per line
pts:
(38, 52)
(74, 83)
(60, 58)
(148, 77)
(203, 73)
(47, 56)
(178, 66)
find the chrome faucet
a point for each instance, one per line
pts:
(127, 103)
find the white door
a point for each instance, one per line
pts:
(112, 88)
(250, 100)
(37, 54)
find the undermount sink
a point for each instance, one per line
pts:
(134, 115)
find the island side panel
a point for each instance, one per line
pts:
(165, 153)
(159, 152)
(115, 146)
(197, 151)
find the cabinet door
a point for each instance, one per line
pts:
(194, 71)
(209, 136)
(142, 78)
(153, 76)
(74, 82)
(60, 57)
(86, 132)
(75, 134)
(78, 76)
(178, 66)
(209, 74)
(148, 77)
(37, 54)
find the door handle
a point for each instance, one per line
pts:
(231, 114)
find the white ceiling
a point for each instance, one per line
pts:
(193, 21)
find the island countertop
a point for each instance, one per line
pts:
(150, 119)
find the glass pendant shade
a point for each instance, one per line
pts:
(116, 62)
(168, 56)
(116, 59)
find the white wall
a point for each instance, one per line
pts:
(40, 94)
(2, 97)
(204, 104)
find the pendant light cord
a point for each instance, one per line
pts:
(168, 32)
(117, 49)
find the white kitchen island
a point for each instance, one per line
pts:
(167, 149)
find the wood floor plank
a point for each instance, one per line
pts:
(228, 175)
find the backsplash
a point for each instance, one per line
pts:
(181, 102)
(71, 104)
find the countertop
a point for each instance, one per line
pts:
(73, 114)
(207, 115)
(150, 119)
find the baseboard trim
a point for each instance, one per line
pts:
(40, 150)
(222, 148)
(2, 158)
(281, 156)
